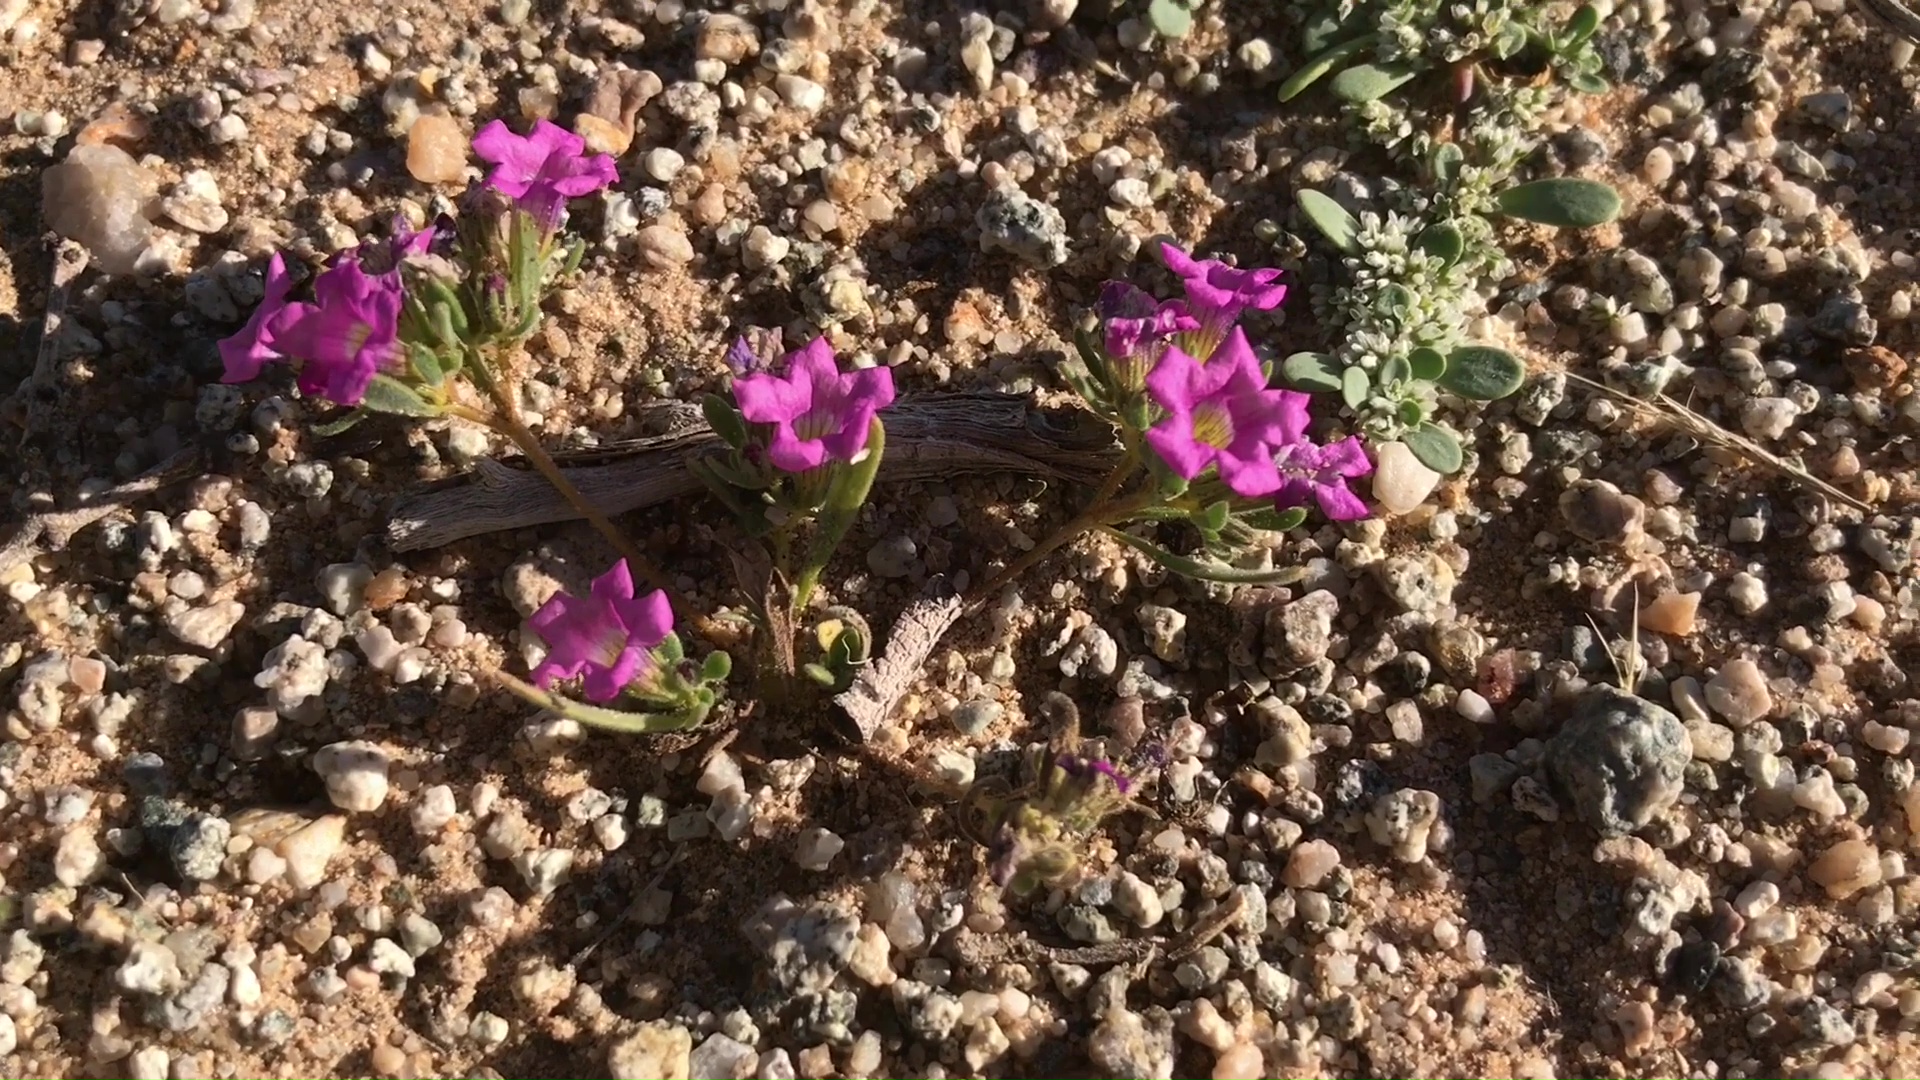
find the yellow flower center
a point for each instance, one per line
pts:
(1212, 425)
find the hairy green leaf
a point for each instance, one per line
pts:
(1443, 241)
(1220, 572)
(1316, 373)
(1584, 23)
(1170, 18)
(1437, 447)
(845, 495)
(334, 427)
(386, 394)
(1483, 373)
(1428, 364)
(1394, 371)
(1362, 83)
(1316, 69)
(1588, 83)
(1339, 227)
(1564, 202)
(725, 420)
(1355, 385)
(1271, 519)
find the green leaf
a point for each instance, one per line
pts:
(1583, 25)
(1447, 159)
(1443, 241)
(1362, 83)
(1316, 69)
(1588, 83)
(725, 420)
(1339, 227)
(670, 651)
(1276, 520)
(1399, 299)
(1396, 370)
(1078, 377)
(386, 394)
(1318, 32)
(1428, 364)
(426, 365)
(1509, 40)
(334, 427)
(1436, 447)
(1220, 572)
(1482, 373)
(717, 666)
(1213, 518)
(1355, 385)
(1170, 18)
(1316, 373)
(1563, 202)
(846, 493)
(818, 673)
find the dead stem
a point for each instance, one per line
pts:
(1674, 414)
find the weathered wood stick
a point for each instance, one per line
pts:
(929, 436)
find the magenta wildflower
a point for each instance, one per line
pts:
(250, 350)
(1221, 413)
(819, 412)
(340, 340)
(608, 636)
(1321, 473)
(1217, 294)
(346, 335)
(542, 169)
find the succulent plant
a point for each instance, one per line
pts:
(1411, 280)
(1367, 49)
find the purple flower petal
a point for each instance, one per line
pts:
(1222, 413)
(818, 413)
(604, 639)
(542, 169)
(1320, 473)
(247, 352)
(1218, 293)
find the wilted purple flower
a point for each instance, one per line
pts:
(542, 169)
(1221, 413)
(1217, 294)
(608, 636)
(246, 353)
(1080, 766)
(340, 340)
(756, 349)
(1320, 473)
(1138, 328)
(819, 413)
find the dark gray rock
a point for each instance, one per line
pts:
(1621, 759)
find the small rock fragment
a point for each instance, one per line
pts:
(1846, 868)
(355, 774)
(98, 197)
(436, 150)
(1739, 693)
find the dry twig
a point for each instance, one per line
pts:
(52, 530)
(1679, 417)
(28, 405)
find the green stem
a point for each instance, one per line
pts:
(1099, 514)
(506, 420)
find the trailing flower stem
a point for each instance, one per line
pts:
(505, 419)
